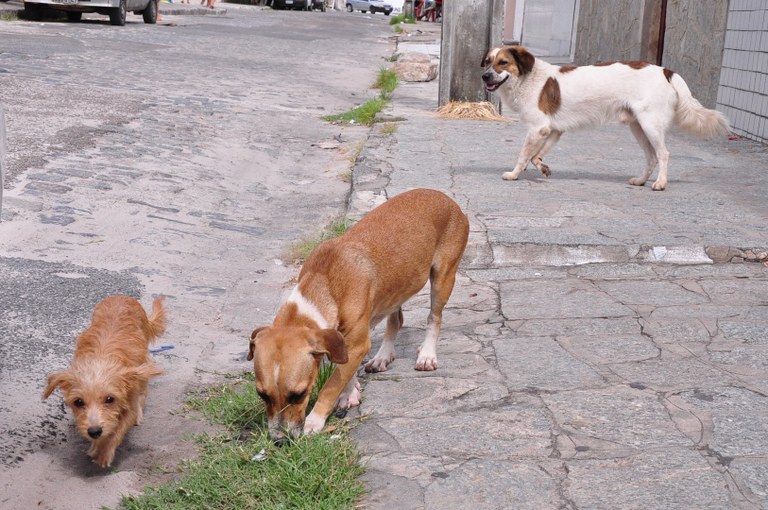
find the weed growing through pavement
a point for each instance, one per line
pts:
(301, 249)
(365, 114)
(317, 471)
(9, 16)
(389, 128)
(401, 18)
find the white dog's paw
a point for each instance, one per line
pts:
(637, 181)
(659, 185)
(379, 364)
(351, 396)
(314, 423)
(427, 360)
(509, 176)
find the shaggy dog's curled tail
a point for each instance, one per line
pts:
(692, 117)
(156, 323)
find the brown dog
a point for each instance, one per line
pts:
(346, 287)
(106, 385)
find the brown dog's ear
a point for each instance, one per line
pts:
(331, 343)
(523, 59)
(251, 343)
(56, 379)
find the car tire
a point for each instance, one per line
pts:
(117, 15)
(74, 16)
(150, 12)
(33, 12)
(349, 8)
(387, 13)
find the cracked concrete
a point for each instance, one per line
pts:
(605, 346)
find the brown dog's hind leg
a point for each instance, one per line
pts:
(386, 353)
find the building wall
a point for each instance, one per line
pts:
(693, 44)
(608, 30)
(743, 90)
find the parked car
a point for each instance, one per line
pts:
(369, 5)
(74, 9)
(302, 5)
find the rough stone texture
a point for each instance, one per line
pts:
(415, 71)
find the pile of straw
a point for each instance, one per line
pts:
(469, 111)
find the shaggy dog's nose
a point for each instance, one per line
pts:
(94, 432)
(487, 77)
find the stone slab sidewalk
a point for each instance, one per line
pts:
(606, 346)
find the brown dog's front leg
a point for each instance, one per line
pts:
(359, 346)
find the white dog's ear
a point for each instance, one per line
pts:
(523, 59)
(331, 343)
(251, 344)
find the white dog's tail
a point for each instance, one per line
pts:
(694, 118)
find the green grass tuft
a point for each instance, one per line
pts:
(401, 18)
(9, 16)
(386, 81)
(301, 249)
(313, 472)
(365, 114)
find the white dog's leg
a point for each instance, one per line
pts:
(654, 129)
(386, 353)
(538, 159)
(650, 154)
(534, 141)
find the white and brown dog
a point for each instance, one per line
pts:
(346, 287)
(553, 99)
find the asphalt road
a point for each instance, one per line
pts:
(177, 159)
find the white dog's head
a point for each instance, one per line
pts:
(501, 63)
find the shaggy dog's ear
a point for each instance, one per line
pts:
(57, 379)
(143, 372)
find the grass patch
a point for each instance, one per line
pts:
(301, 249)
(389, 128)
(364, 114)
(402, 18)
(386, 81)
(313, 472)
(9, 16)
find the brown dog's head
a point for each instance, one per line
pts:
(286, 362)
(100, 392)
(501, 63)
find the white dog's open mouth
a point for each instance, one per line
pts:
(490, 87)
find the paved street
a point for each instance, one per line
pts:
(180, 159)
(605, 347)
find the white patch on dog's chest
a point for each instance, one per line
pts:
(306, 308)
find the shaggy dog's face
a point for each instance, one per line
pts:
(500, 64)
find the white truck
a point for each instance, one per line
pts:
(74, 9)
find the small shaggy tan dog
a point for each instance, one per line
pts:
(106, 385)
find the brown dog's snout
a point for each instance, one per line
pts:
(94, 432)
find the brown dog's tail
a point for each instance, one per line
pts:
(155, 325)
(692, 117)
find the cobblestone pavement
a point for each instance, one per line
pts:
(181, 159)
(606, 346)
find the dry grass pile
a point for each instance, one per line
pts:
(469, 111)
